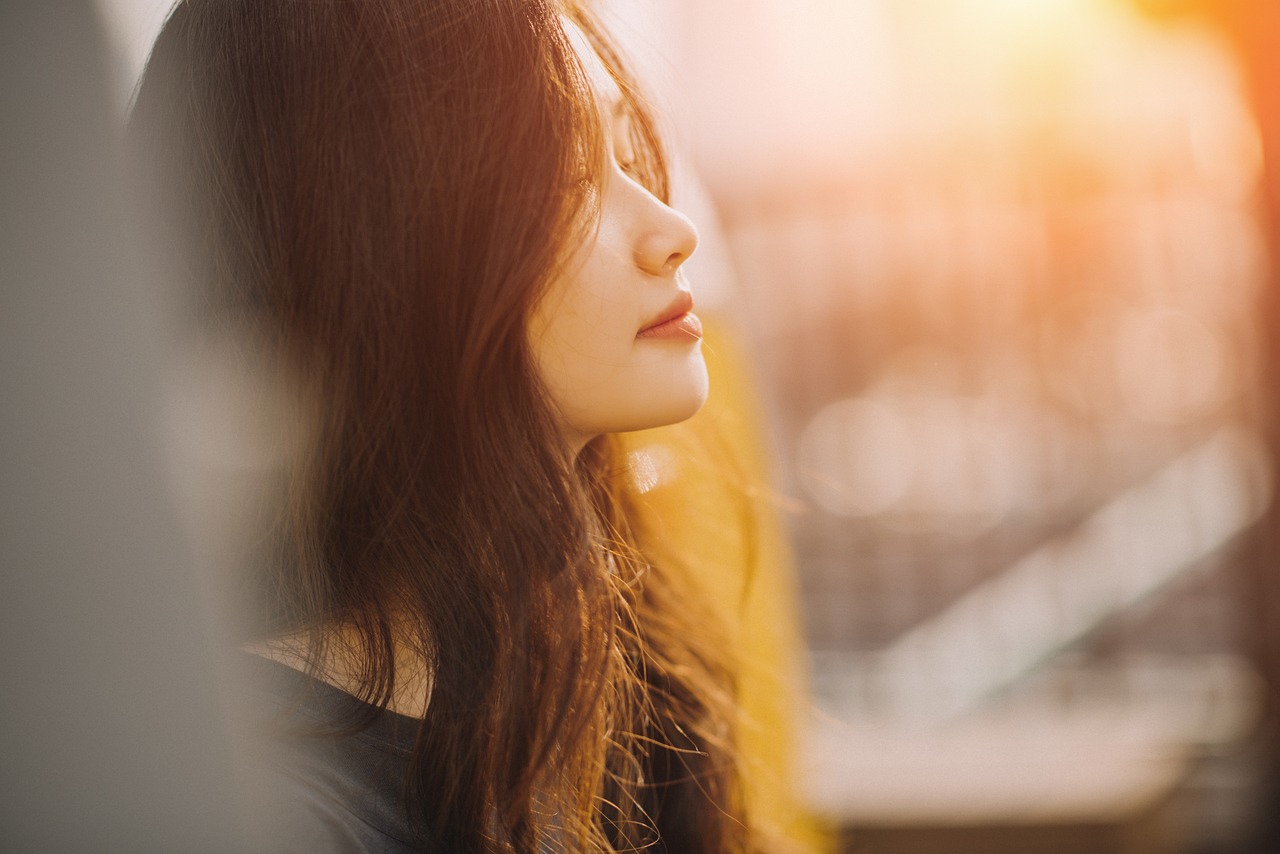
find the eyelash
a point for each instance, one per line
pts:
(626, 156)
(624, 150)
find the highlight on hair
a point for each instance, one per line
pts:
(384, 188)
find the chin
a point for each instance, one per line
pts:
(642, 400)
(676, 398)
(693, 400)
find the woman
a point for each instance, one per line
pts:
(446, 220)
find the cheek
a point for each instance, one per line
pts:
(600, 377)
(582, 337)
(583, 331)
(596, 312)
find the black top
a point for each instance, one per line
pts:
(323, 792)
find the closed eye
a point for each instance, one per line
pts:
(624, 152)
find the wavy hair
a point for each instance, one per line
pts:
(384, 188)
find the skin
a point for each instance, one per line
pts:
(602, 374)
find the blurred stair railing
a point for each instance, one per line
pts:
(1137, 543)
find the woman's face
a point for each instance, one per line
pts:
(613, 338)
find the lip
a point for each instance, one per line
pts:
(677, 321)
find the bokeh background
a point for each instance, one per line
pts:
(1004, 269)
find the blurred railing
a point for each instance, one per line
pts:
(1015, 362)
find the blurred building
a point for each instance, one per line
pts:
(1003, 264)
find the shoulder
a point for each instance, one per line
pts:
(295, 819)
(316, 784)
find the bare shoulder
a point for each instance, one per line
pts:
(341, 667)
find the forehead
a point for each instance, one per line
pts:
(602, 82)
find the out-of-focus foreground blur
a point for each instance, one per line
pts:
(1006, 268)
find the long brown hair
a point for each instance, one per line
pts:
(385, 187)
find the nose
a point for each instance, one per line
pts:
(666, 241)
